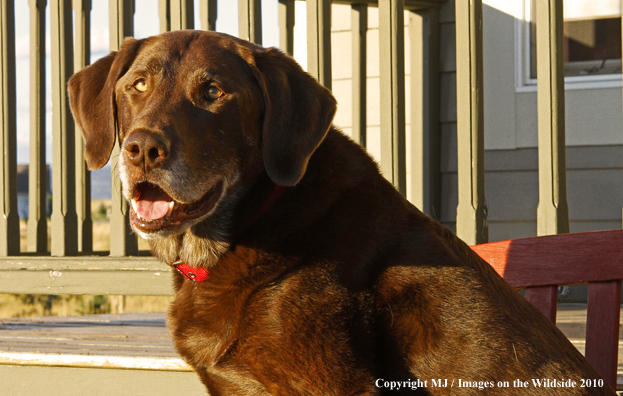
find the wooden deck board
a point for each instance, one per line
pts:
(138, 341)
(107, 335)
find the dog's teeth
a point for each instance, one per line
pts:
(171, 205)
(134, 204)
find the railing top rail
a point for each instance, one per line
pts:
(85, 275)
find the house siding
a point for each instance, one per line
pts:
(594, 172)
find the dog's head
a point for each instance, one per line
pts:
(199, 115)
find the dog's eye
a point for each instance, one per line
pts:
(213, 93)
(140, 85)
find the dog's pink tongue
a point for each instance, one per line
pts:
(152, 203)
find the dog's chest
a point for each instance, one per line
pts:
(272, 336)
(205, 322)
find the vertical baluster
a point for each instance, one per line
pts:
(121, 21)
(286, 26)
(359, 30)
(208, 15)
(182, 14)
(552, 212)
(471, 218)
(82, 57)
(164, 13)
(37, 170)
(392, 78)
(319, 40)
(425, 130)
(64, 219)
(122, 241)
(9, 218)
(250, 20)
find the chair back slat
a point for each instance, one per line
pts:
(557, 259)
(545, 299)
(602, 328)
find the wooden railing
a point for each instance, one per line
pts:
(71, 225)
(71, 267)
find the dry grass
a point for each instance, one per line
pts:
(39, 305)
(28, 305)
(101, 229)
(101, 235)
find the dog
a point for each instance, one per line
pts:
(299, 269)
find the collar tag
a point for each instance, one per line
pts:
(195, 274)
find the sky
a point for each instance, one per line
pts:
(146, 23)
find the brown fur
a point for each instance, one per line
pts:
(324, 286)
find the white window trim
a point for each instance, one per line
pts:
(523, 81)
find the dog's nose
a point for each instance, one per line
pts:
(146, 148)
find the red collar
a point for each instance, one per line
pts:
(199, 274)
(195, 274)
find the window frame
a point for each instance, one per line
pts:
(526, 83)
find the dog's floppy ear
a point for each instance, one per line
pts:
(92, 101)
(298, 114)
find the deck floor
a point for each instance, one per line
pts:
(143, 340)
(142, 334)
(113, 341)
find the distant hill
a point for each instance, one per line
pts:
(22, 178)
(100, 182)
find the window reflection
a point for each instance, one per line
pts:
(592, 37)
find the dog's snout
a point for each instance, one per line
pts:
(146, 148)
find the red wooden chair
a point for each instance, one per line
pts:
(542, 264)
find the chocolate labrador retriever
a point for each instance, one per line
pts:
(300, 269)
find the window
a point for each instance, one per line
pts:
(592, 37)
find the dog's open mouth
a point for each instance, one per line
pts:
(153, 209)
